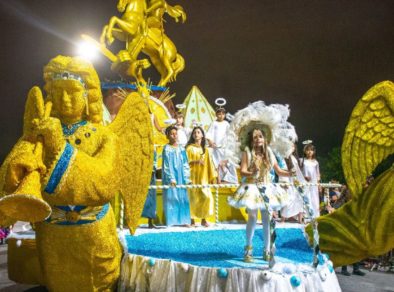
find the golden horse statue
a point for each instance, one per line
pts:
(141, 27)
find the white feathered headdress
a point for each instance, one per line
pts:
(271, 119)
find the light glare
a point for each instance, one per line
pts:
(87, 51)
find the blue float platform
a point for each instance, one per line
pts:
(211, 259)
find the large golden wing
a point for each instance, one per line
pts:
(361, 228)
(133, 127)
(369, 136)
(364, 226)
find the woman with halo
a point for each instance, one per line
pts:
(254, 128)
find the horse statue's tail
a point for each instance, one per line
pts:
(178, 65)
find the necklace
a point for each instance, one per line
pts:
(70, 129)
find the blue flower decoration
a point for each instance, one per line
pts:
(222, 273)
(295, 281)
(151, 262)
(330, 268)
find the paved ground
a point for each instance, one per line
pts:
(371, 282)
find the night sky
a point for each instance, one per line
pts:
(319, 57)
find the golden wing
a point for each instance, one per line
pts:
(133, 127)
(361, 228)
(369, 136)
(364, 226)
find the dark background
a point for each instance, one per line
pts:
(319, 57)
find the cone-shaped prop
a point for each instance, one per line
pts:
(26, 203)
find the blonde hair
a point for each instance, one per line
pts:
(90, 80)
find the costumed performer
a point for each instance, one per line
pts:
(202, 172)
(113, 100)
(183, 133)
(3, 234)
(311, 171)
(256, 126)
(295, 204)
(176, 171)
(217, 138)
(77, 244)
(149, 210)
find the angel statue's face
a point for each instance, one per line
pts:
(258, 138)
(68, 100)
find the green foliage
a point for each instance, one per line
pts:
(331, 166)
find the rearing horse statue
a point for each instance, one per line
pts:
(141, 27)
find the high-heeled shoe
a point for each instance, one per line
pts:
(266, 255)
(248, 254)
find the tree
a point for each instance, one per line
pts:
(331, 166)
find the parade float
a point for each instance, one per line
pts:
(67, 167)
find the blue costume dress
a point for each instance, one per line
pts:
(175, 200)
(150, 203)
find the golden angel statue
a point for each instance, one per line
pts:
(65, 169)
(141, 28)
(364, 227)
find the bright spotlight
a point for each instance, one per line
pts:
(87, 51)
